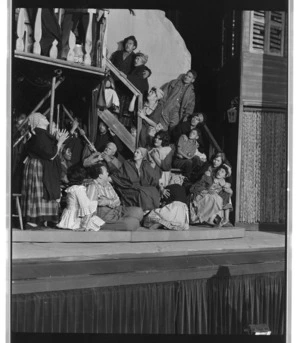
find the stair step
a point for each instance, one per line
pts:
(118, 128)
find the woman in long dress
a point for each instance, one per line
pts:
(42, 172)
(210, 196)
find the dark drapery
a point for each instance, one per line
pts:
(219, 305)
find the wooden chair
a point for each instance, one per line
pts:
(19, 215)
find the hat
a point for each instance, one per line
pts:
(143, 57)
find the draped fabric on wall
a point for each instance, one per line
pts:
(263, 167)
(219, 305)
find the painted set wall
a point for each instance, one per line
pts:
(157, 37)
(264, 77)
(261, 185)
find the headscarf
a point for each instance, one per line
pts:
(159, 92)
(34, 120)
(143, 57)
(144, 152)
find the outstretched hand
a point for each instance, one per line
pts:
(62, 135)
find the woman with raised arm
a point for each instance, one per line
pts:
(42, 172)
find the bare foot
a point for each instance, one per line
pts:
(155, 226)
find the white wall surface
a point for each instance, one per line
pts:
(156, 36)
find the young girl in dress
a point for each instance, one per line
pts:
(79, 213)
(210, 197)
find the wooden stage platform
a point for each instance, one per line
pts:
(53, 260)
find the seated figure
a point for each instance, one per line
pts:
(109, 206)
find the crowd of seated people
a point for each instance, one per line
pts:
(167, 183)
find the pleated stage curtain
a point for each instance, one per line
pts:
(207, 306)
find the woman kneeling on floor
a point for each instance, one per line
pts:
(174, 213)
(79, 215)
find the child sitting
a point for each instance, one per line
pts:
(211, 197)
(79, 213)
(186, 158)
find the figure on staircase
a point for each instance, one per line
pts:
(124, 60)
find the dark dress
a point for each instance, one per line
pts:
(137, 188)
(137, 79)
(41, 179)
(125, 95)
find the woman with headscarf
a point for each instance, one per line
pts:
(42, 172)
(137, 182)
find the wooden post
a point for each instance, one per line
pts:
(52, 103)
(53, 51)
(20, 30)
(37, 32)
(72, 43)
(84, 136)
(139, 120)
(60, 14)
(89, 39)
(57, 116)
(100, 45)
(240, 121)
(104, 45)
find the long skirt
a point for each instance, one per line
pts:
(173, 216)
(35, 209)
(206, 207)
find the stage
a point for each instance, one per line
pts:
(125, 281)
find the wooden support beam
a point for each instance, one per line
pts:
(84, 136)
(59, 63)
(52, 103)
(38, 106)
(113, 123)
(212, 138)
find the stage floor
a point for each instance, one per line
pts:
(72, 251)
(44, 266)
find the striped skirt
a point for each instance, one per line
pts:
(35, 209)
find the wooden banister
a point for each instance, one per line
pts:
(118, 128)
(126, 82)
(139, 120)
(212, 138)
(88, 39)
(20, 30)
(37, 32)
